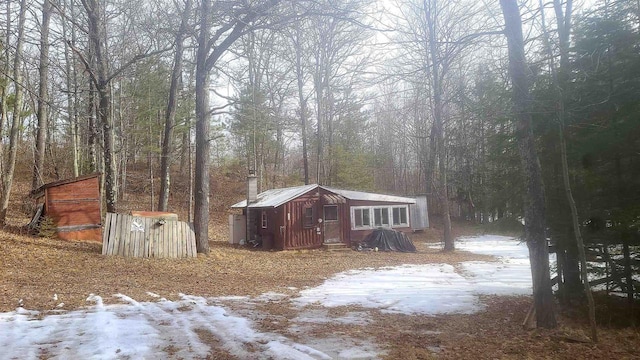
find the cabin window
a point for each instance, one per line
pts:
(370, 217)
(308, 217)
(400, 216)
(331, 213)
(264, 220)
(361, 218)
(381, 216)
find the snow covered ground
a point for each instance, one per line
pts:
(432, 288)
(184, 328)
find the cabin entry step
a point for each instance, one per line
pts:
(335, 247)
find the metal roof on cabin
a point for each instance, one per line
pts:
(365, 196)
(277, 197)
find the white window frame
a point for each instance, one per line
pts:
(264, 219)
(406, 214)
(353, 217)
(381, 210)
(372, 219)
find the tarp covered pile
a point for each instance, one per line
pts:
(388, 240)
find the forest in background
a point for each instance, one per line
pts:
(397, 96)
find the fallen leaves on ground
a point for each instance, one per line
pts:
(41, 274)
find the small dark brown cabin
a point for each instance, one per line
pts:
(310, 216)
(74, 206)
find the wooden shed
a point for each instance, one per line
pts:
(311, 216)
(74, 205)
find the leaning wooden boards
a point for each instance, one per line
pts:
(134, 236)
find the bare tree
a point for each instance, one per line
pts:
(534, 194)
(233, 21)
(43, 97)
(172, 103)
(71, 81)
(436, 64)
(16, 116)
(298, 43)
(4, 84)
(336, 39)
(435, 35)
(563, 19)
(101, 77)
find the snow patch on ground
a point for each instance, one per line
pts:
(186, 328)
(503, 247)
(140, 330)
(431, 288)
(408, 289)
(344, 348)
(321, 316)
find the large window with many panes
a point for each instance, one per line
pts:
(371, 217)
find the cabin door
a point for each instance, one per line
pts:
(331, 222)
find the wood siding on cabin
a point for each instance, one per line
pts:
(268, 232)
(344, 217)
(290, 218)
(285, 224)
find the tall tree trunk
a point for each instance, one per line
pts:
(16, 121)
(563, 19)
(97, 37)
(170, 116)
(201, 183)
(578, 235)
(102, 78)
(92, 125)
(534, 194)
(208, 53)
(438, 122)
(72, 90)
(124, 145)
(4, 83)
(319, 132)
(43, 97)
(321, 87)
(303, 102)
(190, 176)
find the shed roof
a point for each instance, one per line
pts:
(277, 197)
(40, 191)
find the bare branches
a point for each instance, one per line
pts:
(86, 63)
(134, 60)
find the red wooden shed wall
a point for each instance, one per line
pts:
(75, 208)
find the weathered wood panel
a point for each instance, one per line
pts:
(74, 213)
(297, 234)
(155, 214)
(87, 234)
(74, 206)
(84, 189)
(132, 236)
